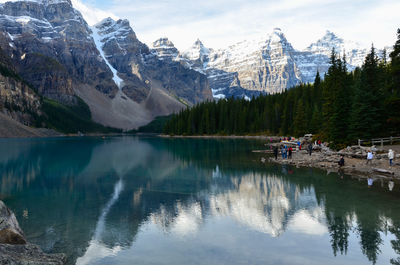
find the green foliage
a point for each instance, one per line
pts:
(340, 109)
(70, 119)
(155, 126)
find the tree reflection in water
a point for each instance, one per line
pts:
(179, 185)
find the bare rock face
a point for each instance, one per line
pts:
(142, 69)
(50, 45)
(266, 65)
(13, 246)
(269, 64)
(17, 99)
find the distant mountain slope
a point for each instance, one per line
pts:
(21, 108)
(124, 84)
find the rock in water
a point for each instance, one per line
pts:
(10, 232)
(13, 246)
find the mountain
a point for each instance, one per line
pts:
(51, 46)
(269, 64)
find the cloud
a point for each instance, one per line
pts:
(91, 14)
(219, 23)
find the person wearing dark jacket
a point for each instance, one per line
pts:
(276, 152)
(341, 162)
(310, 148)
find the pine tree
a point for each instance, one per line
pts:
(367, 118)
(393, 101)
(299, 123)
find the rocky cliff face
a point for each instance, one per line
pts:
(267, 65)
(17, 99)
(50, 45)
(124, 84)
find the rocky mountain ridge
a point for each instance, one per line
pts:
(268, 64)
(124, 84)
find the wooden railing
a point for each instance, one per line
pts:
(380, 141)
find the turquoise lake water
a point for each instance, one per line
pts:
(147, 200)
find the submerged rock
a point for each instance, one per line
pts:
(14, 248)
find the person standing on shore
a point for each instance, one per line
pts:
(310, 147)
(341, 161)
(391, 157)
(370, 156)
(276, 152)
(290, 152)
(283, 152)
(286, 152)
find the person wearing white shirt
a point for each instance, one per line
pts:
(370, 156)
(391, 157)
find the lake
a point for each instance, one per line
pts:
(149, 200)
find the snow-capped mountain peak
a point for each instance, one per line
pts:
(197, 52)
(164, 49)
(354, 52)
(114, 29)
(163, 43)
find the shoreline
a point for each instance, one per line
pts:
(262, 137)
(355, 164)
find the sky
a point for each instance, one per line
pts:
(220, 23)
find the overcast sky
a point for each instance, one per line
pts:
(219, 23)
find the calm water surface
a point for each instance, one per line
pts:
(192, 201)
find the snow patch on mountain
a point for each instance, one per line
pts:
(98, 40)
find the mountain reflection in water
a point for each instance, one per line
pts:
(191, 201)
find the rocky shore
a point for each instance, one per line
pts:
(15, 250)
(355, 161)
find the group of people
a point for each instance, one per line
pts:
(286, 152)
(370, 157)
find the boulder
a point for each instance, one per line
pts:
(15, 250)
(10, 232)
